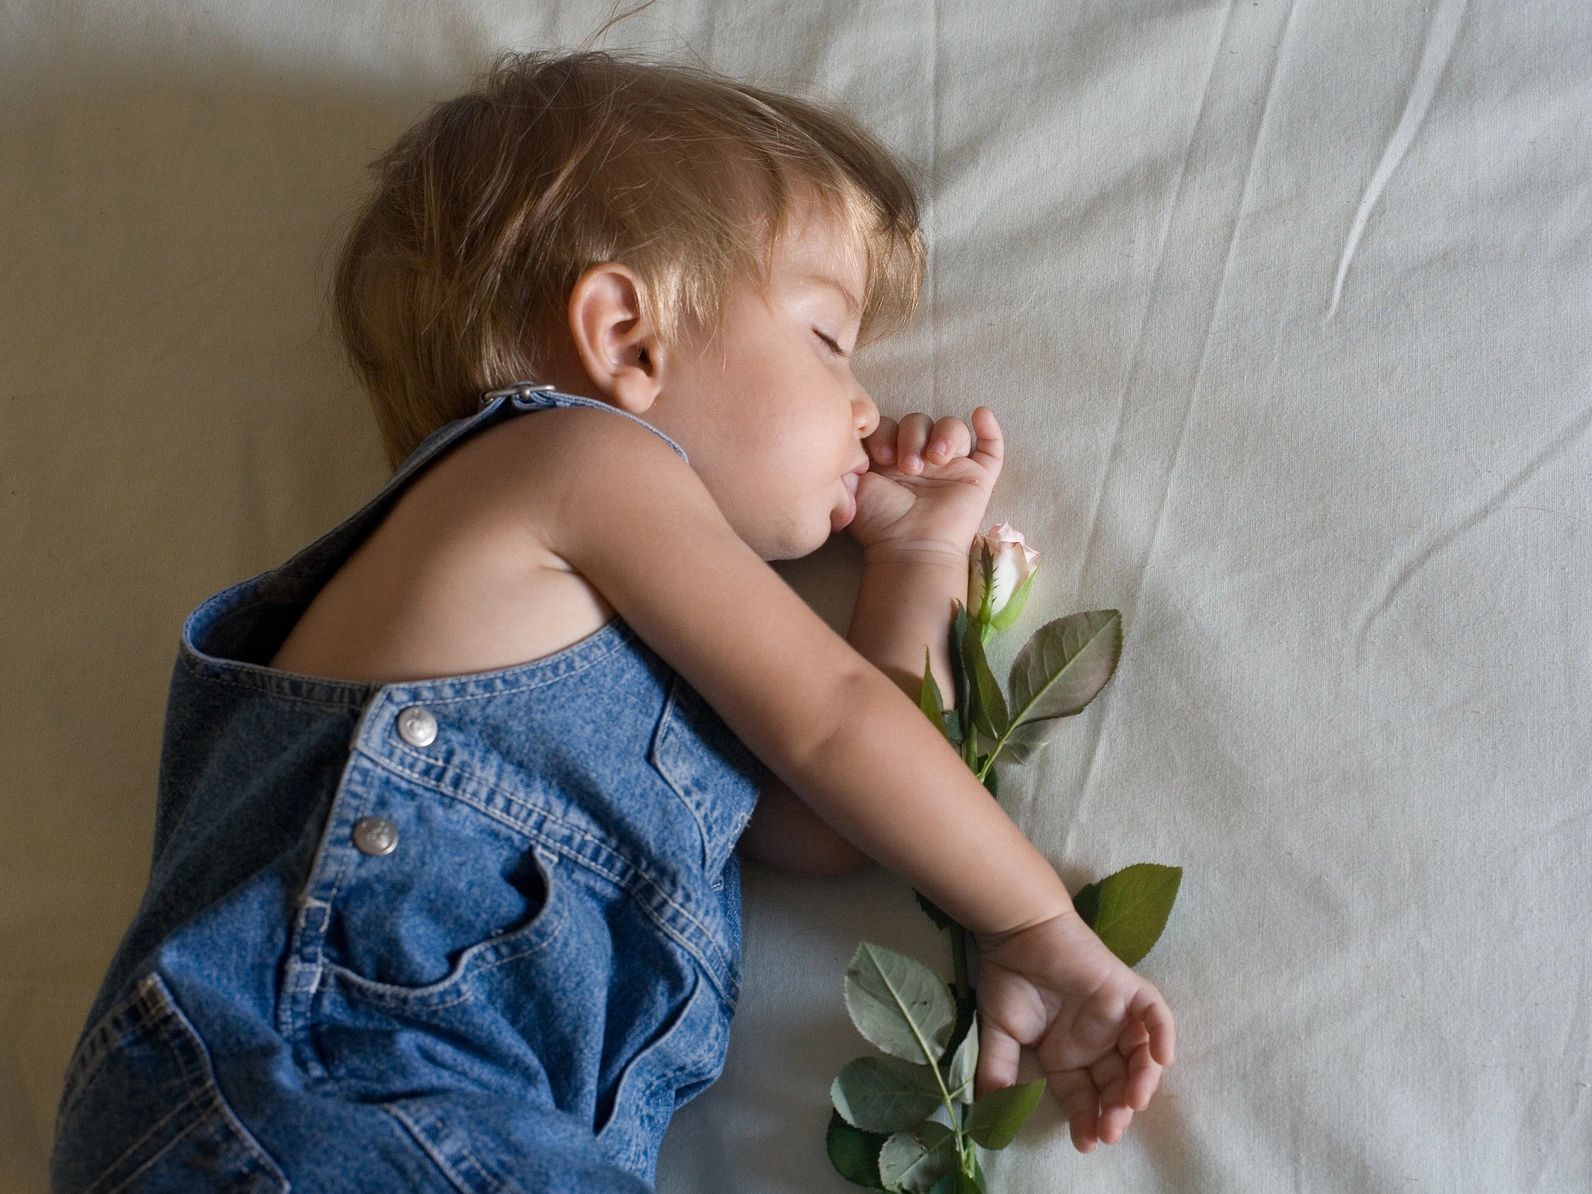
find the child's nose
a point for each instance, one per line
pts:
(867, 413)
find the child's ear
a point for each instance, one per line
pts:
(618, 348)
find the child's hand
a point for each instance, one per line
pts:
(936, 504)
(1104, 1032)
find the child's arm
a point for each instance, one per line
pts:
(904, 607)
(639, 524)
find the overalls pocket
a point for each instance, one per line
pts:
(141, 1103)
(433, 891)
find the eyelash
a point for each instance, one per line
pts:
(833, 347)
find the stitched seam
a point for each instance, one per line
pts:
(676, 1078)
(205, 676)
(508, 794)
(246, 1138)
(122, 1185)
(200, 1080)
(577, 664)
(202, 670)
(97, 1047)
(674, 786)
(298, 1004)
(440, 1161)
(698, 1067)
(167, 1021)
(657, 755)
(126, 1152)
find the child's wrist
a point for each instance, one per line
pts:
(917, 552)
(988, 941)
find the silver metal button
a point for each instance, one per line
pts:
(375, 835)
(519, 389)
(417, 726)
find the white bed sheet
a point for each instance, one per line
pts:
(1284, 310)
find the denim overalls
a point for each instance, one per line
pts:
(479, 933)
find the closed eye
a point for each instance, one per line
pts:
(833, 347)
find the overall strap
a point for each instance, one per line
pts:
(527, 394)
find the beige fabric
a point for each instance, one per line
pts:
(1284, 308)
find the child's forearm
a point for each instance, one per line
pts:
(890, 783)
(903, 605)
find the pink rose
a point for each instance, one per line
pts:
(1000, 569)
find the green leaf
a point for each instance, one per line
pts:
(995, 1118)
(964, 1063)
(974, 1185)
(1128, 909)
(929, 698)
(1087, 903)
(898, 1004)
(954, 727)
(989, 704)
(1060, 670)
(989, 780)
(917, 1159)
(959, 1182)
(854, 1153)
(965, 1007)
(881, 1094)
(958, 670)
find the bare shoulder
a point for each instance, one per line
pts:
(637, 522)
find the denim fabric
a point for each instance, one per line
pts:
(517, 996)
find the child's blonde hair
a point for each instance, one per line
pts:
(490, 207)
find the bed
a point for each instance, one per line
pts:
(1284, 309)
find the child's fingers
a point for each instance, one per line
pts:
(1110, 1076)
(881, 443)
(998, 1054)
(947, 438)
(1148, 1006)
(916, 441)
(1126, 1077)
(1080, 1101)
(912, 433)
(1113, 1123)
(1144, 1075)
